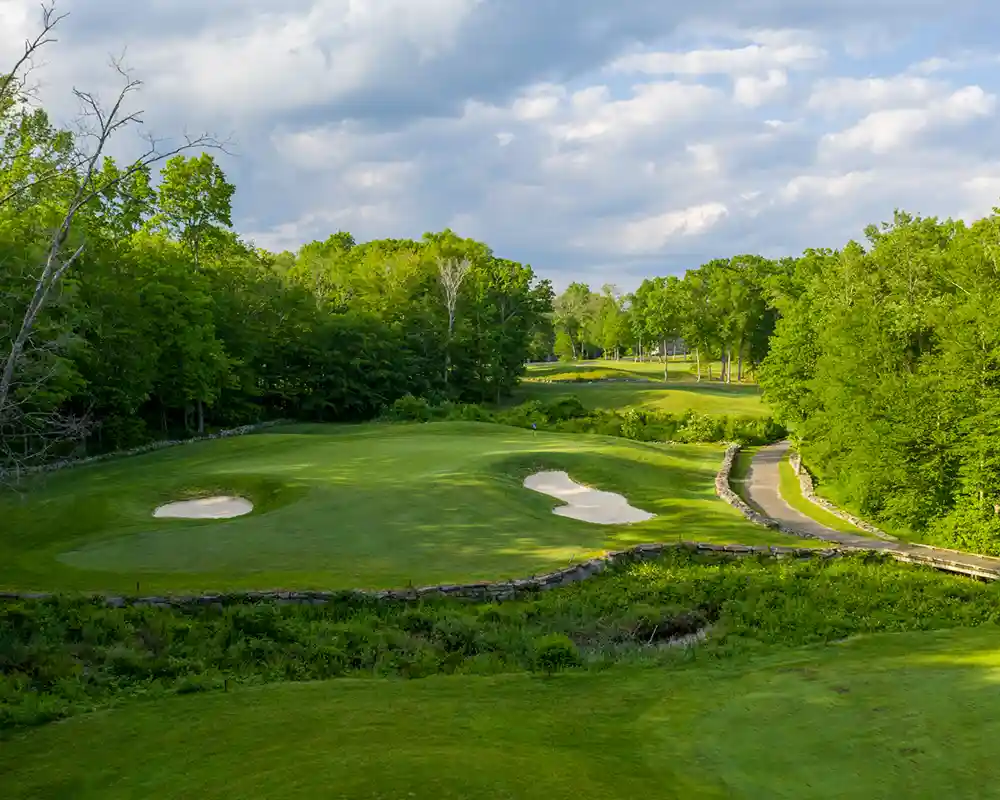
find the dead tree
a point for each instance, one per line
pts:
(452, 272)
(97, 124)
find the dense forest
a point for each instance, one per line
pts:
(886, 363)
(167, 322)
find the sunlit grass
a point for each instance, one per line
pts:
(791, 493)
(353, 506)
(675, 398)
(886, 716)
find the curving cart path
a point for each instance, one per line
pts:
(762, 489)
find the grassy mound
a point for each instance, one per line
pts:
(772, 705)
(352, 507)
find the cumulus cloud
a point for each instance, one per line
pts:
(612, 143)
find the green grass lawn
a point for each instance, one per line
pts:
(704, 398)
(679, 369)
(791, 492)
(353, 507)
(876, 718)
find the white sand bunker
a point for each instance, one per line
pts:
(206, 508)
(588, 505)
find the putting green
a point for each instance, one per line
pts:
(885, 717)
(353, 506)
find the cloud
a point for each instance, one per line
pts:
(614, 142)
(882, 131)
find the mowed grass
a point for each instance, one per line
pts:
(679, 369)
(703, 398)
(368, 506)
(888, 716)
(791, 493)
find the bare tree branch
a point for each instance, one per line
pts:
(13, 85)
(97, 125)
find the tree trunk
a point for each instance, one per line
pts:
(697, 362)
(739, 367)
(664, 360)
(201, 417)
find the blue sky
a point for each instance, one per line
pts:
(599, 141)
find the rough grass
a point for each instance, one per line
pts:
(904, 715)
(791, 493)
(368, 506)
(63, 656)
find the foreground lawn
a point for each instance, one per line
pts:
(889, 716)
(704, 398)
(353, 507)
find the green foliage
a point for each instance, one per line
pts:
(555, 652)
(886, 365)
(568, 415)
(64, 655)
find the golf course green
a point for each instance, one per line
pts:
(875, 718)
(368, 506)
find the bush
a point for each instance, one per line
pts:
(60, 656)
(555, 652)
(411, 409)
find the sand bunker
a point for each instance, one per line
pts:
(206, 508)
(588, 505)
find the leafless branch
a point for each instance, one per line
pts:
(98, 124)
(12, 84)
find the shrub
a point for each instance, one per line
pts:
(410, 408)
(555, 652)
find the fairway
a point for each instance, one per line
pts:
(877, 718)
(674, 398)
(368, 506)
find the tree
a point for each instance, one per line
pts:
(452, 272)
(192, 199)
(72, 181)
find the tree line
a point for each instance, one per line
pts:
(130, 309)
(719, 311)
(886, 363)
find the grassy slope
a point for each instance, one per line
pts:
(791, 492)
(362, 506)
(705, 398)
(889, 716)
(682, 393)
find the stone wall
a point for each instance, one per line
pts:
(725, 491)
(483, 591)
(147, 448)
(809, 492)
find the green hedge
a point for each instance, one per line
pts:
(568, 415)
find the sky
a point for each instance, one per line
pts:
(597, 141)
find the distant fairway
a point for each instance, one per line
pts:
(627, 384)
(353, 506)
(704, 398)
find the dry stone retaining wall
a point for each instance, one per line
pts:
(726, 493)
(483, 592)
(809, 492)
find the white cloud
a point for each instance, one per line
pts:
(840, 94)
(755, 58)
(882, 131)
(651, 234)
(600, 143)
(752, 91)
